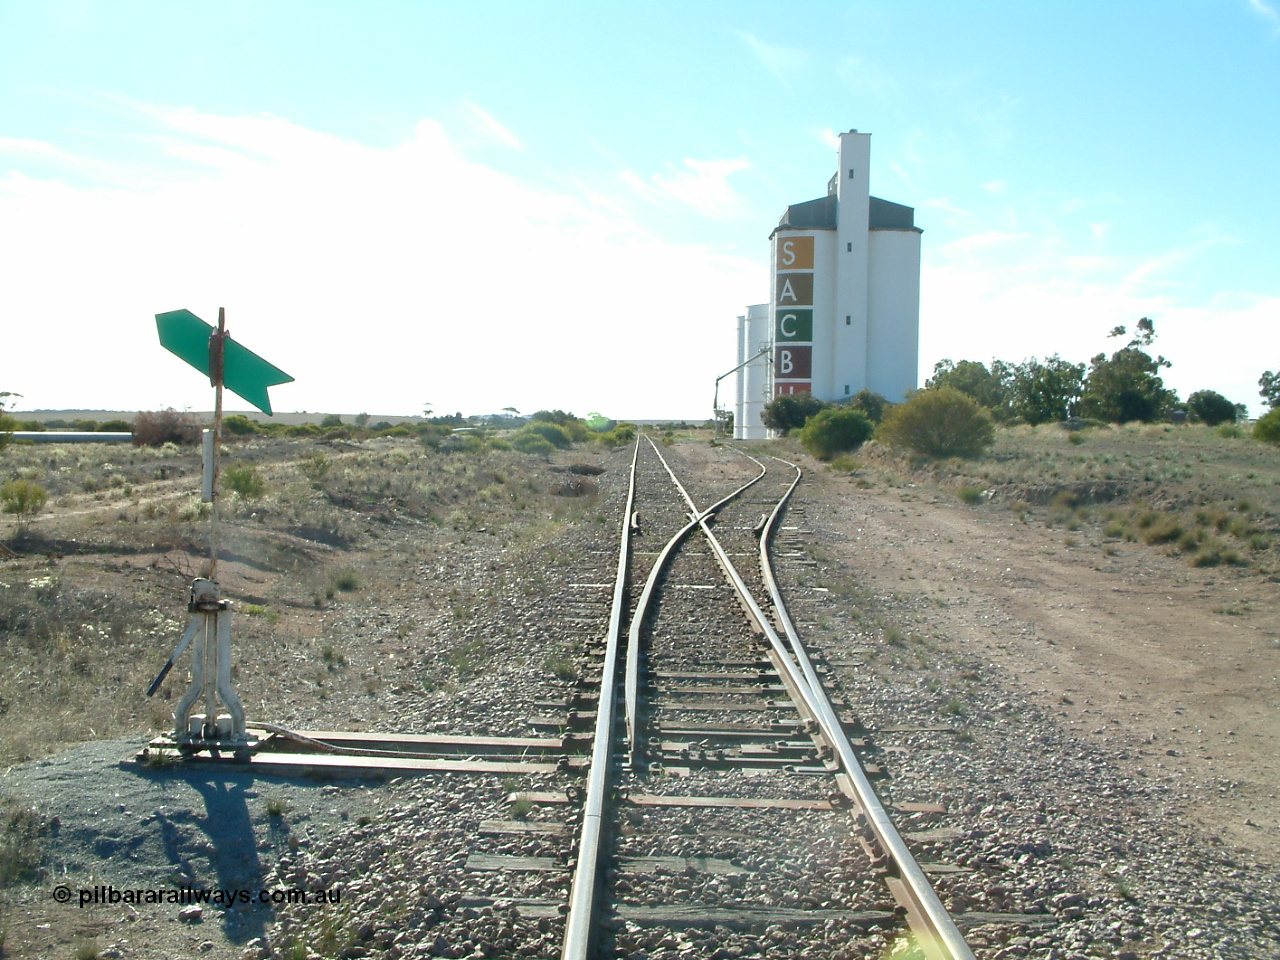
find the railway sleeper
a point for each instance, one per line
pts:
(708, 689)
(746, 918)
(769, 676)
(776, 748)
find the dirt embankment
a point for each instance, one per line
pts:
(1175, 666)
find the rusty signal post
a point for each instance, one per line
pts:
(227, 364)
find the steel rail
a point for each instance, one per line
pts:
(579, 926)
(632, 683)
(793, 679)
(942, 940)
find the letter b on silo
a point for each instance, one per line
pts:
(793, 363)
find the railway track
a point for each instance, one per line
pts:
(726, 811)
(701, 801)
(705, 789)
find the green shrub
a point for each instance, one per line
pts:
(7, 423)
(620, 435)
(835, 430)
(575, 427)
(315, 468)
(346, 580)
(939, 423)
(1211, 407)
(1215, 552)
(245, 481)
(872, 404)
(531, 443)
(1267, 429)
(24, 498)
(553, 433)
(791, 411)
(1163, 530)
(970, 495)
(239, 425)
(846, 464)
(1229, 431)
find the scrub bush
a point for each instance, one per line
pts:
(156, 428)
(791, 411)
(939, 423)
(239, 425)
(1211, 407)
(1267, 429)
(870, 403)
(24, 498)
(553, 433)
(531, 443)
(245, 481)
(835, 430)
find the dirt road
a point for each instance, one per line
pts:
(1177, 666)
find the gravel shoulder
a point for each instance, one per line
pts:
(1117, 770)
(1172, 665)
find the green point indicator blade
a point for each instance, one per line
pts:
(245, 373)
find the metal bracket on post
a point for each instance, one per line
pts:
(210, 628)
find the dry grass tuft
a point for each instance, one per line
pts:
(93, 600)
(1207, 494)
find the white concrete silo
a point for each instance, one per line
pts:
(754, 381)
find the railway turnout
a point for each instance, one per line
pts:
(728, 794)
(703, 789)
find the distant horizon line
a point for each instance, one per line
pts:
(258, 415)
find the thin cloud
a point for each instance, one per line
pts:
(1152, 268)
(945, 204)
(38, 155)
(486, 122)
(31, 148)
(782, 63)
(983, 241)
(1010, 296)
(368, 273)
(1268, 13)
(703, 185)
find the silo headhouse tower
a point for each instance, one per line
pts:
(845, 308)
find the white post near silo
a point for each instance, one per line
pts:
(739, 380)
(756, 379)
(848, 348)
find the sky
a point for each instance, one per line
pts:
(566, 205)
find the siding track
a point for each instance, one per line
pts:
(726, 811)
